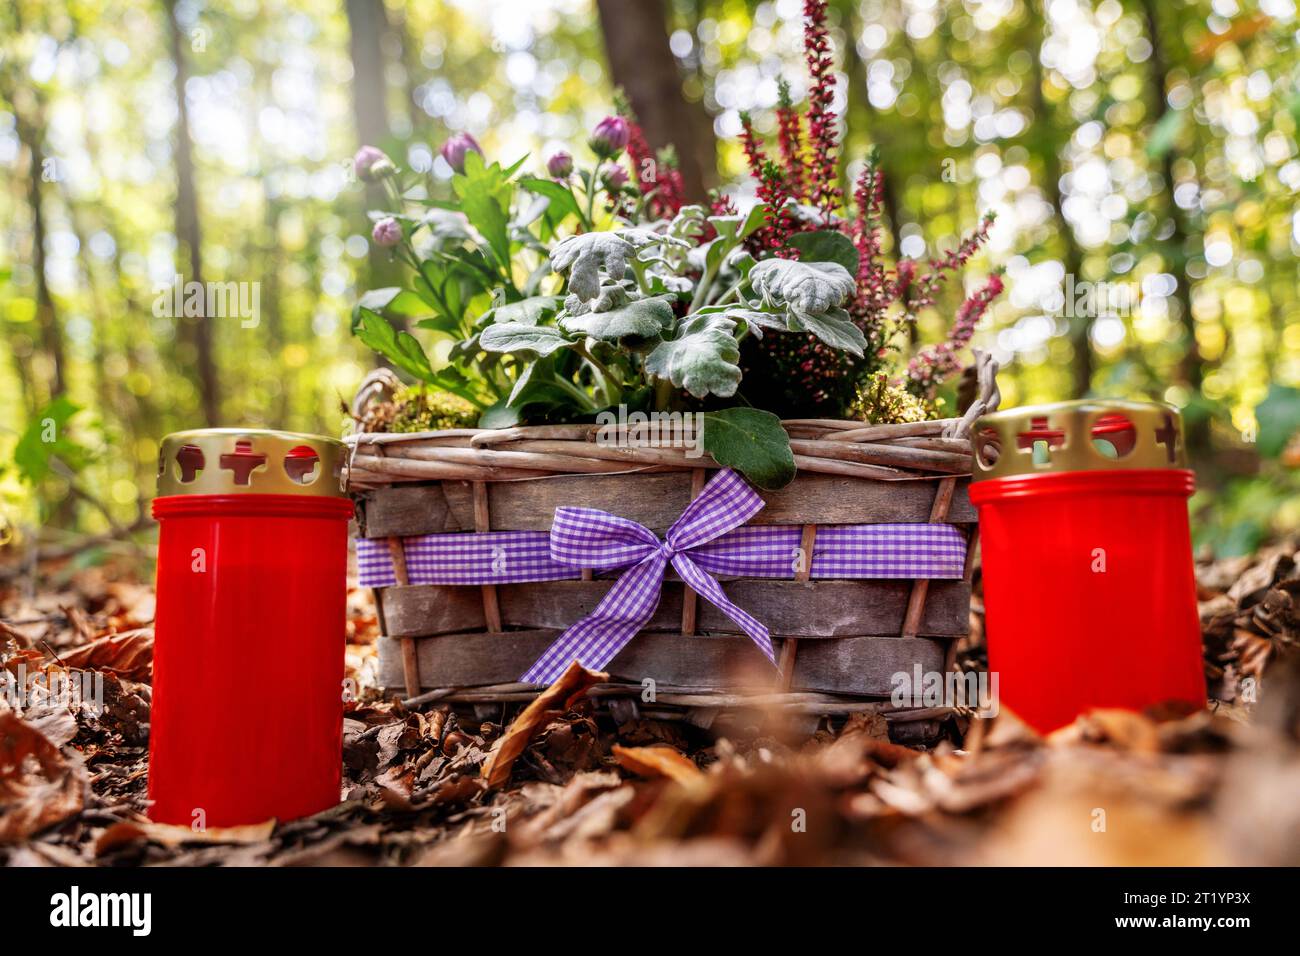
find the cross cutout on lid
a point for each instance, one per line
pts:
(243, 461)
(1167, 435)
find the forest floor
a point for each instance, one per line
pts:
(560, 784)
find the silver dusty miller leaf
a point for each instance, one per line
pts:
(811, 288)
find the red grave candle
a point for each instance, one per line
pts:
(1089, 587)
(248, 694)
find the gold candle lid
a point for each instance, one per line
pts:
(243, 461)
(1085, 435)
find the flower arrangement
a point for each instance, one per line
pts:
(595, 287)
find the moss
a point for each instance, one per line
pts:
(882, 402)
(420, 410)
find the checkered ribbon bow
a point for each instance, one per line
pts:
(590, 538)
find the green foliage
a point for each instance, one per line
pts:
(827, 246)
(47, 439)
(1278, 416)
(275, 210)
(648, 311)
(1246, 512)
(753, 442)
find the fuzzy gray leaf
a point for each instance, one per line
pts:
(810, 288)
(702, 357)
(582, 256)
(517, 337)
(637, 321)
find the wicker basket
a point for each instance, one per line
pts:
(839, 641)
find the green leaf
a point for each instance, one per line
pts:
(392, 301)
(539, 385)
(400, 348)
(440, 323)
(638, 322)
(528, 311)
(834, 327)
(703, 357)
(485, 193)
(733, 229)
(501, 415)
(826, 245)
(1278, 417)
(516, 337)
(563, 203)
(46, 437)
(751, 441)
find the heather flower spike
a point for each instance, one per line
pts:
(790, 141)
(824, 191)
(658, 176)
(456, 148)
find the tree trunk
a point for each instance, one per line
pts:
(1191, 368)
(199, 330)
(640, 61)
(1081, 366)
(367, 24)
(31, 133)
(29, 123)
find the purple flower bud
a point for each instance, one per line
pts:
(371, 164)
(560, 165)
(609, 138)
(613, 176)
(455, 149)
(387, 232)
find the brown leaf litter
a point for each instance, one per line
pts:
(561, 784)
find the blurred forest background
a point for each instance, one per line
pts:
(1148, 144)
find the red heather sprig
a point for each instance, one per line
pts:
(924, 288)
(720, 204)
(772, 190)
(664, 186)
(932, 365)
(873, 293)
(755, 158)
(790, 141)
(824, 191)
(672, 188)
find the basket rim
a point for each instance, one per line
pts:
(907, 451)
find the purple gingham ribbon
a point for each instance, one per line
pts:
(878, 551)
(590, 538)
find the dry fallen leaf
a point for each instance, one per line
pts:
(39, 785)
(658, 762)
(128, 655)
(172, 835)
(550, 703)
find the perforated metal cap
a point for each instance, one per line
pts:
(1086, 435)
(242, 461)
